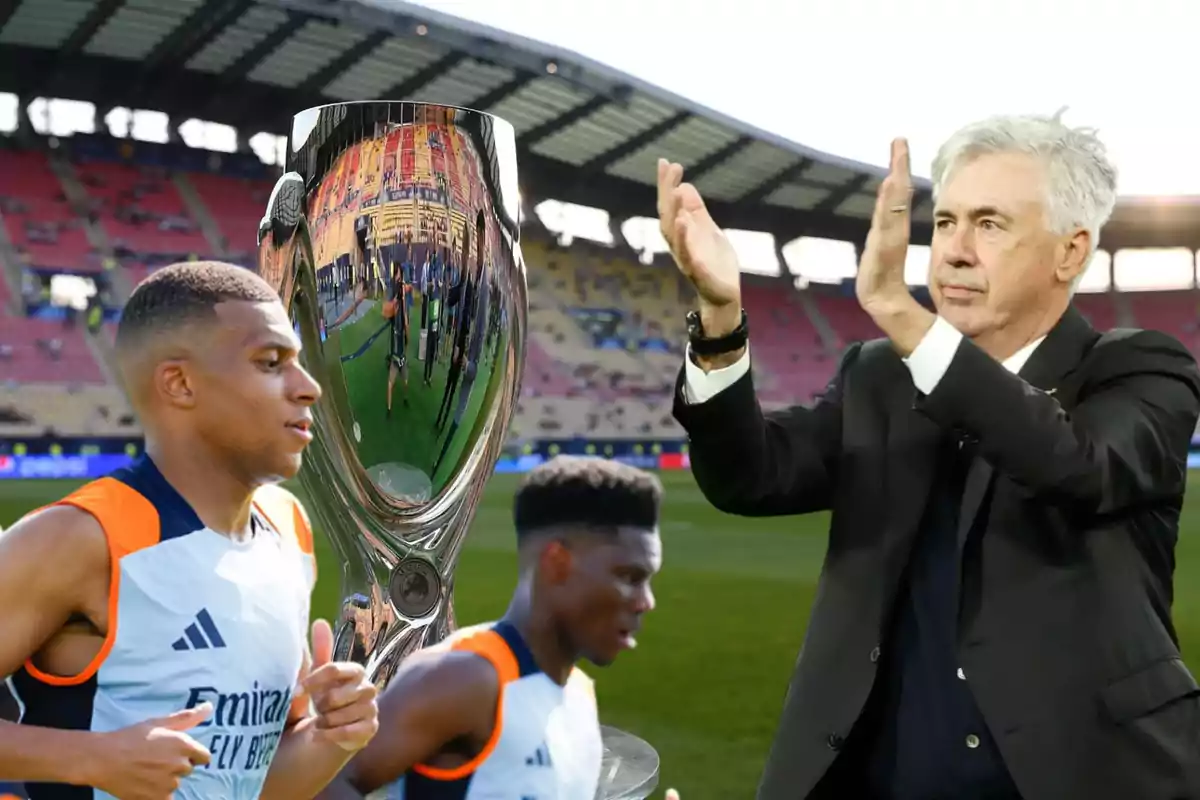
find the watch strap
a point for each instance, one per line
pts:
(702, 345)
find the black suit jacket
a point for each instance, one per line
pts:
(1067, 534)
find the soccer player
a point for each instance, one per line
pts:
(463, 299)
(398, 353)
(435, 288)
(500, 710)
(153, 622)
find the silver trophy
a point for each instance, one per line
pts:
(393, 239)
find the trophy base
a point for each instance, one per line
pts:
(402, 481)
(630, 767)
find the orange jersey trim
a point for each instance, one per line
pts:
(490, 645)
(130, 523)
(279, 505)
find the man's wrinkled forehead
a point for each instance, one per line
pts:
(1006, 181)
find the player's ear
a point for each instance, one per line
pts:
(556, 561)
(173, 383)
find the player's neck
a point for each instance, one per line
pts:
(220, 500)
(541, 635)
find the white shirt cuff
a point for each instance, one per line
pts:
(700, 386)
(931, 358)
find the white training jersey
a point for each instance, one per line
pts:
(194, 617)
(546, 742)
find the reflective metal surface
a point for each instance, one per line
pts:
(394, 242)
(630, 768)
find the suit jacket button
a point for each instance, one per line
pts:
(874, 654)
(835, 742)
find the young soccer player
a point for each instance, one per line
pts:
(153, 622)
(501, 710)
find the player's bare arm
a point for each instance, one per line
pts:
(332, 717)
(41, 591)
(55, 570)
(438, 698)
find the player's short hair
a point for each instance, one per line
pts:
(187, 292)
(578, 492)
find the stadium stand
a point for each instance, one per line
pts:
(1100, 310)
(40, 351)
(605, 329)
(140, 210)
(1175, 313)
(39, 228)
(235, 204)
(37, 217)
(55, 382)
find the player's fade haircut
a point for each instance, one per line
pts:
(1081, 182)
(578, 492)
(189, 292)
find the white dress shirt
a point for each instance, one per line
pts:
(927, 363)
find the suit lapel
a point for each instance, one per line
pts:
(1065, 346)
(1062, 350)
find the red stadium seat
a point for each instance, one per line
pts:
(36, 203)
(605, 332)
(31, 362)
(235, 204)
(155, 196)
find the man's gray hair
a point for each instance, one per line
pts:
(1081, 183)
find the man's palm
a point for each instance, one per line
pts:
(700, 248)
(710, 260)
(881, 269)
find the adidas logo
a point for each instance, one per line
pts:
(540, 757)
(200, 635)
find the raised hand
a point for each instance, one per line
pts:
(700, 248)
(150, 760)
(880, 280)
(343, 698)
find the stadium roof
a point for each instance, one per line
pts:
(587, 134)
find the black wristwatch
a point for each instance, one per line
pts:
(703, 346)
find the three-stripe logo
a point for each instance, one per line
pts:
(202, 634)
(540, 757)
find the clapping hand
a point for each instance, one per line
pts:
(880, 282)
(344, 700)
(701, 250)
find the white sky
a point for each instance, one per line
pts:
(845, 76)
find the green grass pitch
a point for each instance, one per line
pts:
(707, 681)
